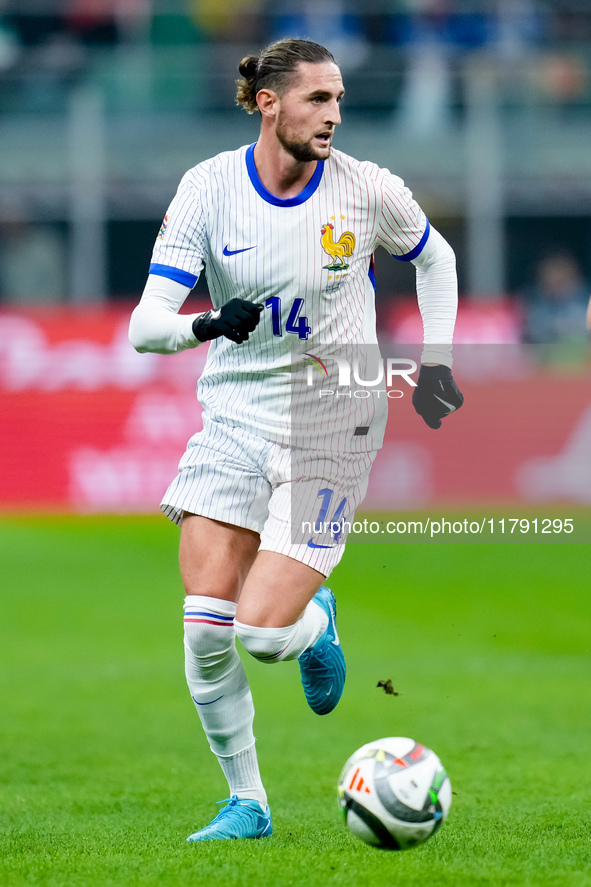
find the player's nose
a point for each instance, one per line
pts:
(333, 118)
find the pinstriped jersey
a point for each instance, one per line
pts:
(306, 259)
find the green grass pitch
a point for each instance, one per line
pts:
(104, 770)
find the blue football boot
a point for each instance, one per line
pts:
(241, 818)
(322, 667)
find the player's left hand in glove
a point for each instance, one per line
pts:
(436, 395)
(234, 320)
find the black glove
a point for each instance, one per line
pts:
(436, 395)
(235, 320)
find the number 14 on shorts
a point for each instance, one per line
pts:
(296, 324)
(335, 523)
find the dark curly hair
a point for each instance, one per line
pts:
(274, 68)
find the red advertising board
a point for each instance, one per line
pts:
(86, 423)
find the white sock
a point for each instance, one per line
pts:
(219, 688)
(288, 642)
(244, 778)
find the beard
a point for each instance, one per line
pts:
(303, 152)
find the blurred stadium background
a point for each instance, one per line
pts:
(482, 107)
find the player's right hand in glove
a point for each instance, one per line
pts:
(235, 320)
(436, 395)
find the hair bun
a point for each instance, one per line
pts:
(248, 66)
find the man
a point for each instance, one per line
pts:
(266, 222)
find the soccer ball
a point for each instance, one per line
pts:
(394, 793)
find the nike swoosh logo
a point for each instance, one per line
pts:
(336, 641)
(234, 252)
(446, 404)
(206, 703)
(312, 544)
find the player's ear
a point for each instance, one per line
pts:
(267, 101)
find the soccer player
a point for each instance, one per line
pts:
(286, 231)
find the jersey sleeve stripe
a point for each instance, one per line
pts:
(408, 257)
(371, 273)
(184, 277)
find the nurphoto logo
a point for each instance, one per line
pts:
(382, 376)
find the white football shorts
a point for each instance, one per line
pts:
(301, 502)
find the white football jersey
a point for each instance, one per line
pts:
(308, 260)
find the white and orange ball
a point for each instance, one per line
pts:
(395, 793)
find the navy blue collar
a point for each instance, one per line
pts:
(276, 201)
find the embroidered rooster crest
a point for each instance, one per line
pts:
(338, 250)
